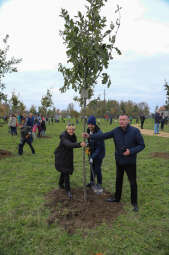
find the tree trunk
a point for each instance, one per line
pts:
(84, 167)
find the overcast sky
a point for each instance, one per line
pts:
(137, 75)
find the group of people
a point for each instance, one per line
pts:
(30, 127)
(127, 139)
(128, 142)
(36, 122)
(159, 119)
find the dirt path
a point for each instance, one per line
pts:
(151, 132)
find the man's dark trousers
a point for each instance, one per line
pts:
(131, 173)
(142, 123)
(22, 143)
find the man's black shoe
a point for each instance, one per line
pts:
(112, 200)
(135, 208)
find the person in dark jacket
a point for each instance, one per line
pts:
(157, 120)
(26, 137)
(43, 127)
(142, 119)
(162, 121)
(128, 142)
(30, 120)
(96, 155)
(64, 157)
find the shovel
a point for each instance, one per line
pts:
(94, 187)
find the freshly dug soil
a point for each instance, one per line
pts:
(79, 214)
(4, 154)
(164, 155)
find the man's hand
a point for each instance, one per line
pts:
(85, 135)
(126, 153)
(83, 144)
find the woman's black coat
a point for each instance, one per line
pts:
(64, 153)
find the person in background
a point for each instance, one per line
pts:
(131, 119)
(23, 119)
(162, 121)
(142, 119)
(64, 157)
(12, 124)
(19, 119)
(26, 137)
(111, 120)
(157, 120)
(30, 120)
(43, 126)
(96, 155)
(35, 127)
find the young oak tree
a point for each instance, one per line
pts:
(46, 101)
(6, 66)
(15, 104)
(33, 109)
(90, 45)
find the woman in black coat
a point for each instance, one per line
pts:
(64, 156)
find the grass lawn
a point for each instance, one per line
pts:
(26, 179)
(149, 124)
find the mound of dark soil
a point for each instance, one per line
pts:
(79, 214)
(4, 154)
(164, 155)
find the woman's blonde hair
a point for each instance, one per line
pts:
(71, 126)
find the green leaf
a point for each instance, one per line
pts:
(117, 50)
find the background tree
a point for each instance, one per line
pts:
(6, 66)
(46, 102)
(166, 87)
(42, 110)
(21, 107)
(64, 114)
(144, 108)
(15, 104)
(33, 109)
(4, 109)
(89, 49)
(71, 111)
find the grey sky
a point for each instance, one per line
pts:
(137, 75)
